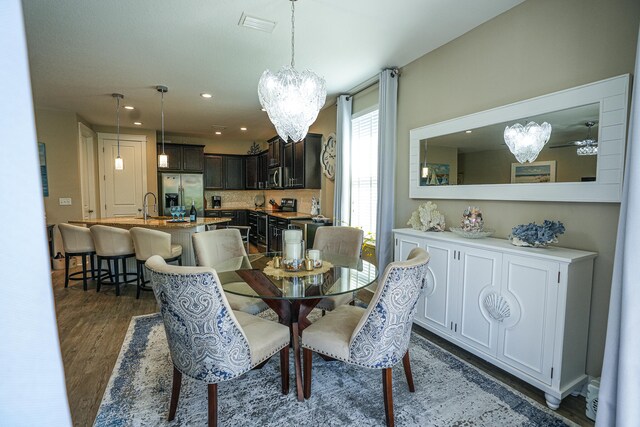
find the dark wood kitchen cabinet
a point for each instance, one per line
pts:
(213, 172)
(274, 156)
(263, 170)
(251, 177)
(192, 158)
(256, 171)
(182, 158)
(301, 163)
(234, 172)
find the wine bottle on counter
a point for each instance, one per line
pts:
(193, 214)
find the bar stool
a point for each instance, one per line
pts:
(112, 245)
(77, 241)
(148, 243)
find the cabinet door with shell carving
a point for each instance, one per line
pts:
(479, 280)
(526, 336)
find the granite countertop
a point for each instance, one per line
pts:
(268, 211)
(153, 222)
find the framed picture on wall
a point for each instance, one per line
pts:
(42, 155)
(435, 174)
(533, 172)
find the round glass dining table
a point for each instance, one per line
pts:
(293, 295)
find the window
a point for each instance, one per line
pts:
(364, 171)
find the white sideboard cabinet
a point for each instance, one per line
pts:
(525, 310)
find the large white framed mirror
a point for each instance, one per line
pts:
(467, 158)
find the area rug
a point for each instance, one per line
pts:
(449, 392)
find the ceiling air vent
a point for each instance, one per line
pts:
(256, 23)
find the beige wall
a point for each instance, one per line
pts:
(365, 99)
(59, 131)
(536, 48)
(326, 124)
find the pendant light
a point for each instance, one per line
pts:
(163, 159)
(292, 99)
(119, 165)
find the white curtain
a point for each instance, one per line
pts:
(619, 398)
(342, 189)
(387, 124)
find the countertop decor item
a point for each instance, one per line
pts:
(472, 219)
(537, 236)
(472, 225)
(427, 218)
(254, 149)
(479, 234)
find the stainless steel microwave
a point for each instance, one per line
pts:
(275, 177)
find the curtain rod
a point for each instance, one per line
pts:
(369, 82)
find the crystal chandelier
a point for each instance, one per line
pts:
(292, 98)
(163, 159)
(588, 146)
(119, 165)
(525, 142)
(587, 150)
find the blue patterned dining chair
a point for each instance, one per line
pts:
(222, 247)
(208, 341)
(376, 337)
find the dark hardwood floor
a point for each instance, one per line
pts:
(92, 327)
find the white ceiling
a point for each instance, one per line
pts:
(81, 51)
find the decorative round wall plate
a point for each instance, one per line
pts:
(328, 156)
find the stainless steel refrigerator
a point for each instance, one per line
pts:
(180, 189)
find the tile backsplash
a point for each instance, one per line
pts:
(245, 198)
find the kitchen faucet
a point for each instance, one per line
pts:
(145, 207)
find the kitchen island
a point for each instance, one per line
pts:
(181, 232)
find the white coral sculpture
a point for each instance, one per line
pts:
(427, 218)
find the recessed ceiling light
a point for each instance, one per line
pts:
(262, 109)
(218, 132)
(256, 23)
(137, 123)
(128, 107)
(243, 129)
(467, 131)
(206, 95)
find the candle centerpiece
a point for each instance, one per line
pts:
(293, 250)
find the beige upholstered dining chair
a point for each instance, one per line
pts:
(343, 241)
(376, 337)
(147, 243)
(209, 341)
(215, 247)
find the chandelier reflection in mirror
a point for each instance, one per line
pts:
(588, 146)
(525, 142)
(292, 98)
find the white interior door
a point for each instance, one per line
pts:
(86, 149)
(122, 190)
